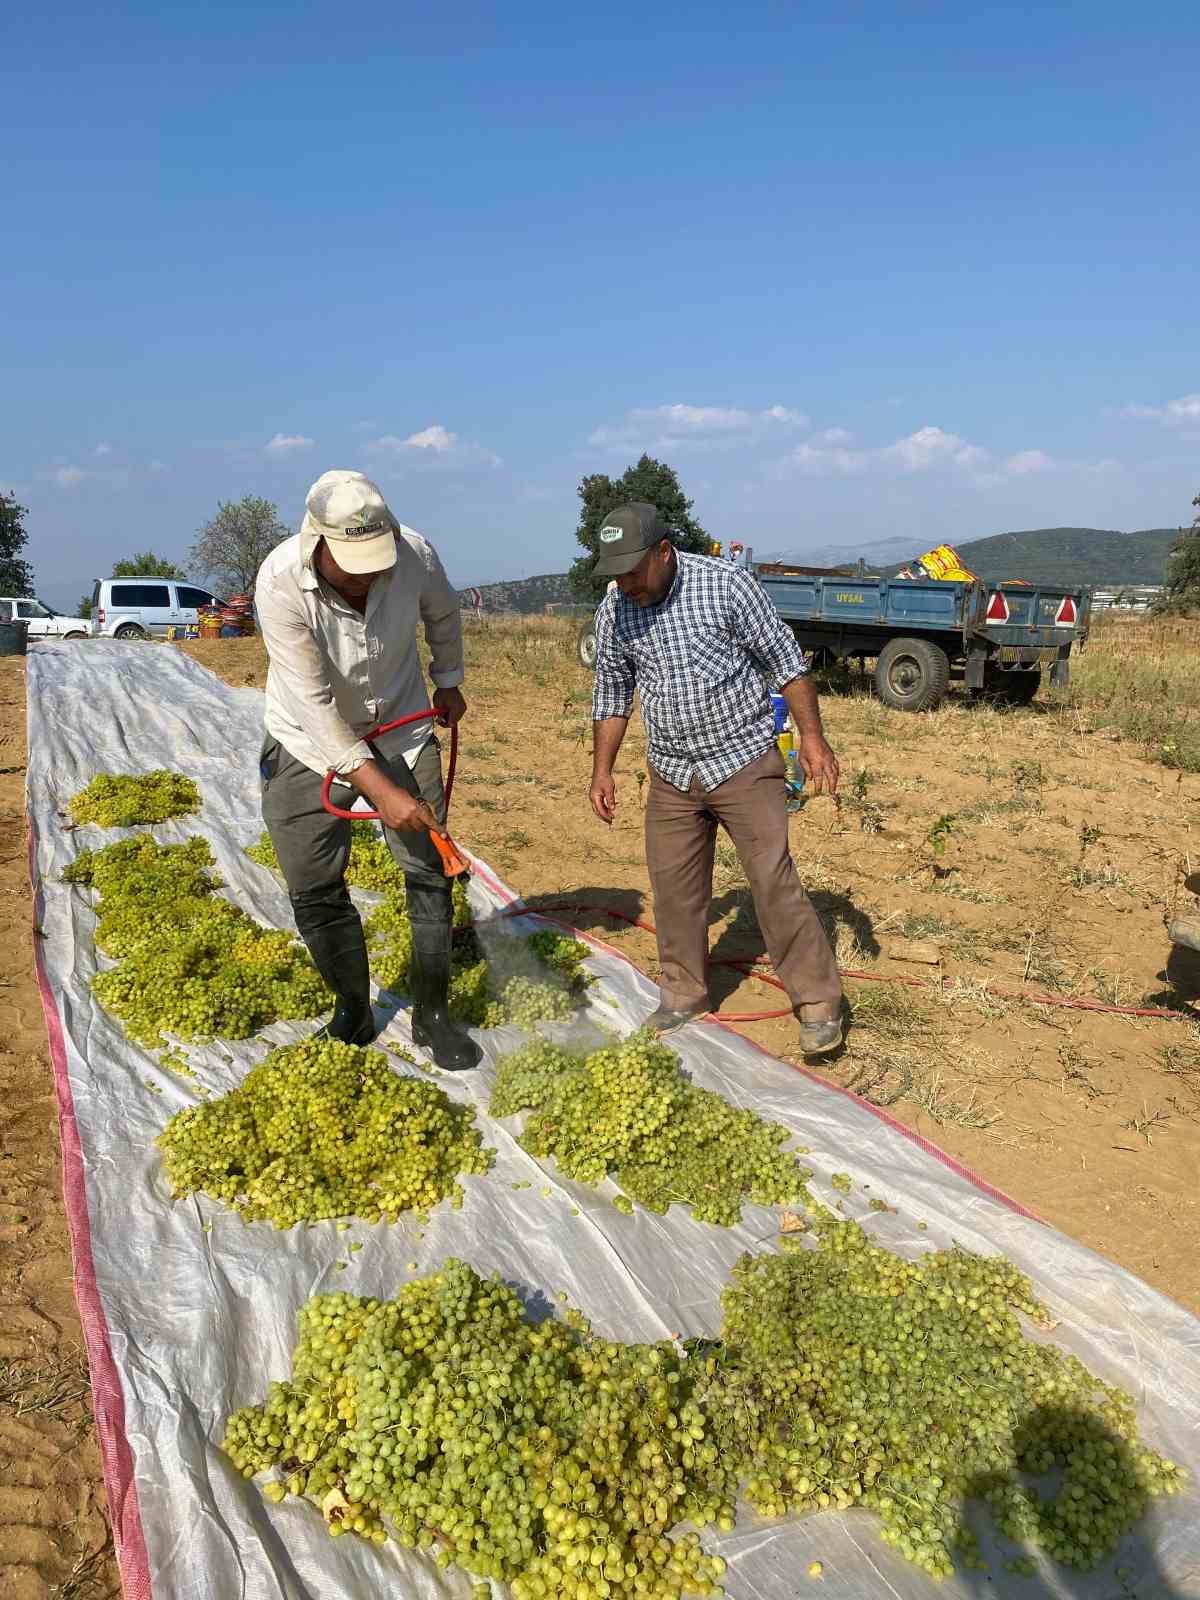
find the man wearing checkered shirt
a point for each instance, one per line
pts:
(705, 648)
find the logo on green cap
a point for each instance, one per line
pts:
(609, 534)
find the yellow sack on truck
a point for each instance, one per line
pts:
(944, 563)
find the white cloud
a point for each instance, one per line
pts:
(930, 447)
(667, 427)
(1176, 413)
(829, 459)
(433, 444)
(287, 444)
(432, 438)
(1027, 461)
(828, 453)
(102, 450)
(69, 477)
(437, 439)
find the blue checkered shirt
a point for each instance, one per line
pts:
(705, 661)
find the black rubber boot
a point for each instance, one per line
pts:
(333, 932)
(429, 912)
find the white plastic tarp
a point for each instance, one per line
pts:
(184, 1325)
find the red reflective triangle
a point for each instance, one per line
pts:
(997, 610)
(1066, 612)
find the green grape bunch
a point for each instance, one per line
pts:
(853, 1377)
(189, 962)
(534, 1455)
(320, 1130)
(628, 1111)
(122, 800)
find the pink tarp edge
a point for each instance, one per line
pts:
(108, 1401)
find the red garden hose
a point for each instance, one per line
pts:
(455, 863)
(749, 965)
(453, 860)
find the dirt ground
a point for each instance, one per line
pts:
(1065, 856)
(53, 1532)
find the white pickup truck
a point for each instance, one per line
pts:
(44, 622)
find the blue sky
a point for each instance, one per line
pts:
(859, 272)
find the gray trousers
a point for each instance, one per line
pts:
(313, 847)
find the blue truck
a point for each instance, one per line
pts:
(996, 639)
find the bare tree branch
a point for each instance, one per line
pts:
(231, 546)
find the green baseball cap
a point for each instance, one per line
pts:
(625, 536)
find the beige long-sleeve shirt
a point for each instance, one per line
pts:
(335, 674)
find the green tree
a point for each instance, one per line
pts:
(84, 608)
(231, 546)
(16, 575)
(650, 480)
(1182, 589)
(146, 565)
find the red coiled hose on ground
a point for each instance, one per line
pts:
(749, 965)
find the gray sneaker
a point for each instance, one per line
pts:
(820, 1038)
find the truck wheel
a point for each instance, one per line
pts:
(585, 647)
(911, 674)
(130, 630)
(76, 635)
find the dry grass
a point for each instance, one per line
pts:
(944, 1104)
(954, 993)
(1138, 677)
(728, 873)
(87, 1579)
(51, 1387)
(891, 1011)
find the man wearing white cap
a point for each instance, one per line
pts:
(338, 605)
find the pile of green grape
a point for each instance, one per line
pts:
(628, 1110)
(124, 801)
(559, 1462)
(320, 1130)
(483, 992)
(850, 1376)
(189, 961)
(538, 1456)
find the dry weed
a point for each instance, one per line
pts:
(892, 1011)
(51, 1386)
(973, 992)
(943, 1105)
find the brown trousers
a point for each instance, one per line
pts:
(681, 834)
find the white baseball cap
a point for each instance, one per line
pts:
(349, 513)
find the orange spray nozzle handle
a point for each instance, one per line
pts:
(454, 862)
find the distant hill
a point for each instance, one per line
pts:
(1089, 557)
(1092, 557)
(523, 594)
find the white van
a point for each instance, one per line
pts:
(137, 608)
(44, 621)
